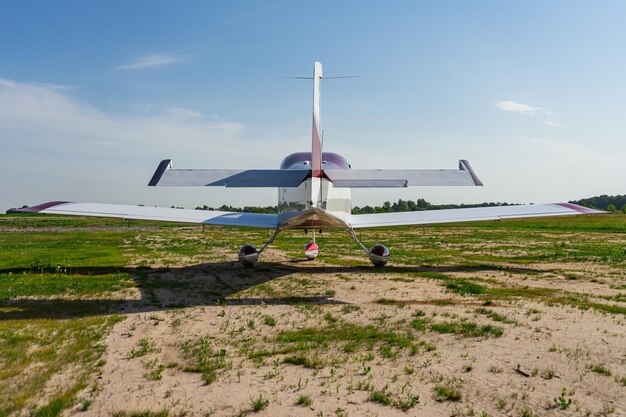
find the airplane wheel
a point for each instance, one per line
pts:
(311, 250)
(248, 256)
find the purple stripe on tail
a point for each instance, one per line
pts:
(316, 152)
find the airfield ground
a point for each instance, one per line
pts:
(517, 318)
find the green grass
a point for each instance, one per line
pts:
(384, 398)
(203, 358)
(15, 285)
(147, 413)
(407, 403)
(56, 345)
(464, 287)
(347, 337)
(447, 393)
(389, 302)
(604, 308)
(52, 252)
(523, 292)
(36, 326)
(527, 412)
(493, 315)
(420, 323)
(59, 403)
(315, 337)
(145, 346)
(308, 362)
(57, 282)
(328, 316)
(269, 320)
(259, 403)
(350, 308)
(304, 401)
(380, 397)
(601, 369)
(467, 329)
(155, 373)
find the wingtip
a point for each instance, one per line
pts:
(580, 209)
(41, 207)
(163, 166)
(465, 165)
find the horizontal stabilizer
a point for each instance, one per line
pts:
(166, 176)
(225, 218)
(468, 214)
(392, 178)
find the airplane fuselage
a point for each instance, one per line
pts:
(316, 203)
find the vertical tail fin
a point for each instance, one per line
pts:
(316, 151)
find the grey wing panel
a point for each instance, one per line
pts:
(166, 176)
(157, 213)
(467, 215)
(380, 178)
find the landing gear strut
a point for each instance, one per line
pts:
(379, 254)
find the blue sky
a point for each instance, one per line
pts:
(94, 94)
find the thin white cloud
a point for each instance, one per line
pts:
(517, 107)
(47, 116)
(58, 147)
(184, 114)
(546, 116)
(151, 60)
(553, 124)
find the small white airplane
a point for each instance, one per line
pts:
(313, 194)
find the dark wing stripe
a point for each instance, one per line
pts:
(578, 208)
(159, 172)
(41, 207)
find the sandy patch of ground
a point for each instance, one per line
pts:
(546, 351)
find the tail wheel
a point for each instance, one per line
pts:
(311, 250)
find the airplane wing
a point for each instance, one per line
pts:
(467, 214)
(166, 176)
(225, 218)
(383, 178)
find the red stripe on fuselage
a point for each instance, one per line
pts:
(316, 156)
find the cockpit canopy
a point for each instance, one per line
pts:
(302, 160)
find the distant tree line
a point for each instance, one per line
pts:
(419, 205)
(387, 207)
(603, 202)
(610, 203)
(246, 209)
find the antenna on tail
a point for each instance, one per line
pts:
(317, 132)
